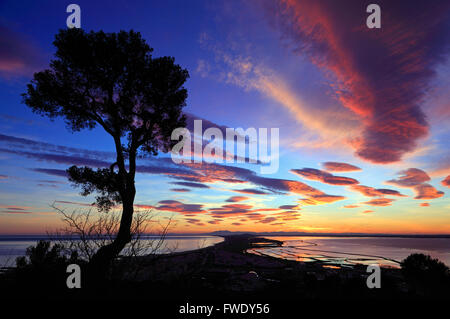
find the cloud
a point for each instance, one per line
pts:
(231, 209)
(191, 184)
(191, 174)
(368, 211)
(289, 207)
(180, 190)
(15, 209)
(194, 221)
(321, 199)
(416, 179)
(221, 149)
(50, 171)
(15, 212)
(380, 75)
(267, 220)
(324, 177)
(380, 202)
(410, 177)
(351, 206)
(215, 172)
(425, 204)
(73, 203)
(340, 167)
(251, 191)
(446, 181)
(324, 128)
(60, 159)
(18, 57)
(427, 191)
(375, 192)
(234, 199)
(288, 215)
(144, 206)
(179, 207)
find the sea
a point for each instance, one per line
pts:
(12, 247)
(335, 251)
(348, 251)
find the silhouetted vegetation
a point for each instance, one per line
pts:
(112, 80)
(41, 272)
(45, 256)
(226, 272)
(86, 232)
(426, 276)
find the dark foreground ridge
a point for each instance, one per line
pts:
(225, 272)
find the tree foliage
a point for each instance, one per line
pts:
(111, 80)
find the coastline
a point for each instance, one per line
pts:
(221, 272)
(227, 270)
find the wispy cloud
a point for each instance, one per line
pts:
(416, 179)
(340, 167)
(324, 177)
(18, 57)
(380, 76)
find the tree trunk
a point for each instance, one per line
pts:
(101, 261)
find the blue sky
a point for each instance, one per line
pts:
(301, 67)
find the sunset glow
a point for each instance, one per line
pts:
(363, 117)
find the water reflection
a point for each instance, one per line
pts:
(11, 249)
(348, 251)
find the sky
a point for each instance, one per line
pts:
(363, 115)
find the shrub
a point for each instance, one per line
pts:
(426, 276)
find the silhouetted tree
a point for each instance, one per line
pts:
(426, 276)
(112, 80)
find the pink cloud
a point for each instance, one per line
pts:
(382, 76)
(375, 192)
(380, 202)
(340, 167)
(324, 177)
(427, 191)
(446, 181)
(234, 199)
(18, 57)
(410, 177)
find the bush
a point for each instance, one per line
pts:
(42, 272)
(44, 256)
(426, 276)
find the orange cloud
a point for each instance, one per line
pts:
(234, 199)
(427, 191)
(380, 202)
(380, 76)
(324, 177)
(446, 181)
(321, 199)
(410, 177)
(416, 179)
(340, 167)
(179, 207)
(375, 192)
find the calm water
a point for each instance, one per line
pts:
(348, 251)
(11, 248)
